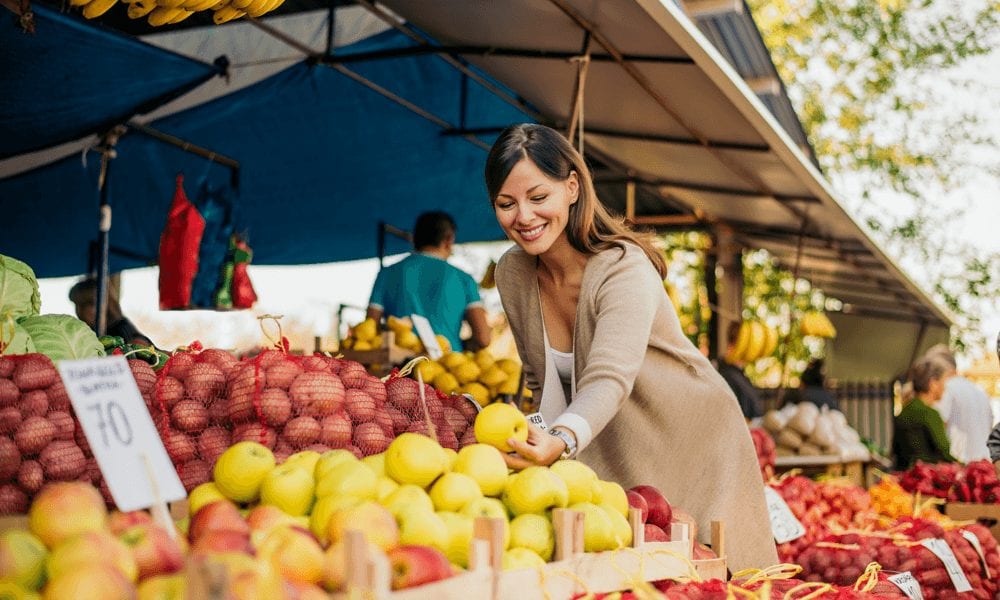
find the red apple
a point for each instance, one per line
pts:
(8, 393)
(62, 460)
(635, 500)
(703, 552)
(370, 438)
(660, 513)
(353, 374)
(212, 442)
(295, 553)
(316, 393)
(376, 389)
(64, 509)
(255, 432)
(120, 521)
(194, 473)
(222, 540)
(10, 418)
(180, 446)
(417, 565)
(655, 534)
(168, 391)
(221, 515)
(33, 434)
(64, 424)
(179, 364)
(403, 393)
(58, 398)
(155, 552)
(91, 582)
(30, 476)
(220, 358)
(13, 500)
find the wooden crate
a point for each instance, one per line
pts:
(985, 514)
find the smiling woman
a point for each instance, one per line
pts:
(602, 347)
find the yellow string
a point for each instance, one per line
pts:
(407, 368)
(691, 567)
(277, 321)
(869, 579)
(837, 546)
(774, 572)
(821, 588)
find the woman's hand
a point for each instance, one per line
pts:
(540, 449)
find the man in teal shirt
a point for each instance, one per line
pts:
(424, 283)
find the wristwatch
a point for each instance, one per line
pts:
(570, 442)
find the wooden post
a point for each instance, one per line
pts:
(638, 527)
(719, 538)
(568, 528)
(491, 531)
(356, 559)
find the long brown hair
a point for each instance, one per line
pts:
(591, 227)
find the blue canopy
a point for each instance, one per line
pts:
(70, 79)
(322, 157)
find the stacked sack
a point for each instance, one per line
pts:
(805, 430)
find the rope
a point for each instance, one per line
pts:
(576, 119)
(277, 321)
(774, 572)
(821, 588)
(869, 579)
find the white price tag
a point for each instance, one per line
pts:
(784, 525)
(426, 334)
(979, 550)
(942, 550)
(536, 418)
(120, 432)
(908, 584)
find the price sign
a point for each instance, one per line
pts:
(942, 550)
(971, 537)
(908, 584)
(426, 334)
(120, 432)
(537, 419)
(784, 525)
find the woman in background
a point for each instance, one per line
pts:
(918, 432)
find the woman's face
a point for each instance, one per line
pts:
(935, 389)
(533, 209)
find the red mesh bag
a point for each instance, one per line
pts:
(179, 245)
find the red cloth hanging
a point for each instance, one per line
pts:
(244, 295)
(179, 245)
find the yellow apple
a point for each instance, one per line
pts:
(414, 458)
(370, 518)
(521, 558)
(205, 493)
(535, 490)
(405, 497)
(422, 527)
(94, 581)
(22, 559)
(306, 459)
(612, 494)
(452, 491)
(88, 549)
(383, 487)
(498, 423)
(330, 459)
(348, 479)
(163, 587)
(459, 537)
(451, 457)
(598, 530)
(376, 462)
(490, 508)
(622, 529)
(323, 511)
(64, 509)
(290, 487)
(294, 554)
(533, 532)
(579, 479)
(240, 470)
(485, 464)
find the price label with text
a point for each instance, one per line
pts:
(908, 584)
(784, 525)
(942, 550)
(538, 420)
(426, 334)
(120, 432)
(972, 539)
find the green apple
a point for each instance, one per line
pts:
(490, 508)
(521, 558)
(579, 479)
(533, 532)
(289, 487)
(459, 537)
(612, 494)
(414, 458)
(405, 497)
(486, 465)
(622, 529)
(22, 559)
(418, 526)
(598, 531)
(535, 490)
(240, 470)
(452, 491)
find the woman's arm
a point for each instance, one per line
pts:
(938, 435)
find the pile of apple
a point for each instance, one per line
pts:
(74, 549)
(40, 439)
(478, 374)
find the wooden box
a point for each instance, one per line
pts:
(985, 514)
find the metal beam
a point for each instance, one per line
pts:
(492, 51)
(629, 135)
(699, 9)
(668, 220)
(711, 189)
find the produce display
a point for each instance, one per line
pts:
(975, 482)
(478, 374)
(763, 445)
(169, 12)
(804, 430)
(754, 341)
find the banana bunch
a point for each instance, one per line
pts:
(478, 374)
(754, 341)
(408, 339)
(168, 12)
(93, 8)
(488, 282)
(817, 324)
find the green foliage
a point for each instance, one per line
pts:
(870, 81)
(62, 337)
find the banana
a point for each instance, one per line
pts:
(219, 5)
(183, 14)
(140, 8)
(240, 4)
(771, 345)
(78, 2)
(807, 324)
(197, 5)
(162, 15)
(758, 337)
(740, 347)
(258, 7)
(274, 5)
(96, 8)
(488, 282)
(170, 3)
(226, 14)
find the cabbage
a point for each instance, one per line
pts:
(18, 289)
(62, 337)
(18, 343)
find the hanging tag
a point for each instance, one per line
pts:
(784, 525)
(536, 418)
(426, 334)
(979, 550)
(942, 550)
(908, 584)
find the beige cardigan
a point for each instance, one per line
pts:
(660, 413)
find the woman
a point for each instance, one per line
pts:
(918, 432)
(620, 384)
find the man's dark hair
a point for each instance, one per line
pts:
(432, 228)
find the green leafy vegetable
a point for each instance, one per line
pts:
(18, 289)
(14, 339)
(62, 337)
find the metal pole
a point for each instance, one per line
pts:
(104, 228)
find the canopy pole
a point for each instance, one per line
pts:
(107, 149)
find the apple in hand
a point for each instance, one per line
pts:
(635, 500)
(660, 513)
(155, 552)
(499, 422)
(417, 565)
